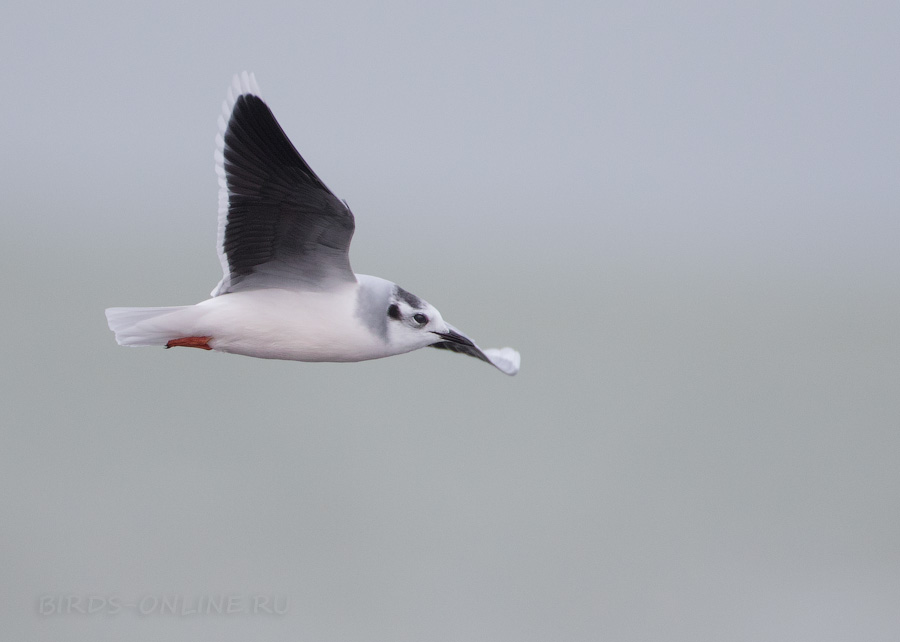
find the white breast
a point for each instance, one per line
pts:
(285, 324)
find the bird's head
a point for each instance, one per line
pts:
(406, 322)
(414, 323)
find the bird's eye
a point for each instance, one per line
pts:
(420, 318)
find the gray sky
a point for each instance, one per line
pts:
(686, 219)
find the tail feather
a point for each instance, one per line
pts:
(142, 326)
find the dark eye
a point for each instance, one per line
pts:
(420, 318)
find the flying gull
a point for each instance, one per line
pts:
(288, 291)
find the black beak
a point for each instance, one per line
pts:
(456, 341)
(455, 337)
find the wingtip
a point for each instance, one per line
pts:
(241, 84)
(244, 83)
(507, 360)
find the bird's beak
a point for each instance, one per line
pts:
(505, 360)
(453, 336)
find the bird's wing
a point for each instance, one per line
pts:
(506, 360)
(279, 225)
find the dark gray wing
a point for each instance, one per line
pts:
(472, 351)
(506, 360)
(279, 225)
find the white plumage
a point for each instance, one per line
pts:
(287, 290)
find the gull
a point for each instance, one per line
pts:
(288, 291)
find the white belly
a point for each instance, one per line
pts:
(284, 324)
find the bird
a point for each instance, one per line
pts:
(287, 290)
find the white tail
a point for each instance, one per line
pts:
(143, 326)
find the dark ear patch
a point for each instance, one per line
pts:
(394, 311)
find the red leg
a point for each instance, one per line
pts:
(190, 342)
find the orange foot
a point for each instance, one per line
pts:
(190, 342)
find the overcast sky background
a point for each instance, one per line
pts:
(684, 215)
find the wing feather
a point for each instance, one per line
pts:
(279, 224)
